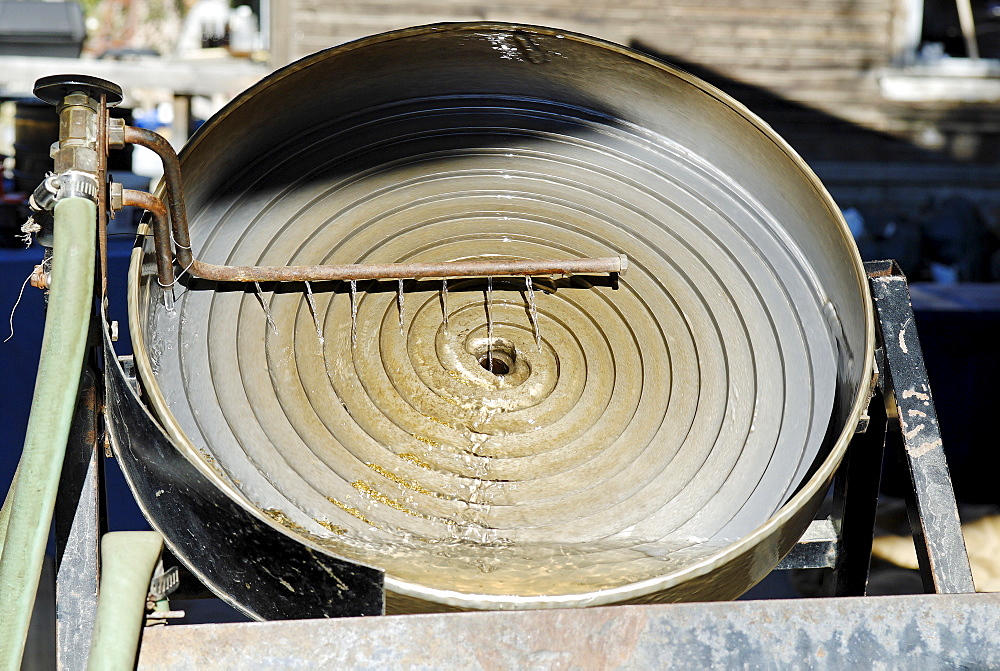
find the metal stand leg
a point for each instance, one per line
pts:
(902, 406)
(855, 500)
(77, 523)
(937, 531)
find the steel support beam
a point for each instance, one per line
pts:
(919, 631)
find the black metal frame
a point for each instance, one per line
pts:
(902, 415)
(901, 406)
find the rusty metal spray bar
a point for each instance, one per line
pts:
(178, 230)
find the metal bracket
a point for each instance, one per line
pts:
(902, 402)
(937, 532)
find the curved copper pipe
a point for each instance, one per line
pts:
(175, 195)
(161, 231)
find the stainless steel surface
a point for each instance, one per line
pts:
(898, 632)
(665, 437)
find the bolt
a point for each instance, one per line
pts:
(114, 331)
(115, 195)
(116, 133)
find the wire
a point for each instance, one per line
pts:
(14, 309)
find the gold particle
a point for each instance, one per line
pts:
(370, 491)
(351, 511)
(400, 481)
(436, 420)
(428, 441)
(283, 519)
(414, 459)
(332, 527)
(461, 379)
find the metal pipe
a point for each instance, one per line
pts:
(967, 23)
(354, 271)
(172, 177)
(317, 273)
(391, 271)
(161, 231)
(64, 343)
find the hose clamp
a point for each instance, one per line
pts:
(77, 184)
(70, 184)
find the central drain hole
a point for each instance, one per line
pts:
(498, 366)
(504, 356)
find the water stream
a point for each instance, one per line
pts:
(489, 324)
(533, 311)
(264, 305)
(354, 313)
(315, 316)
(444, 303)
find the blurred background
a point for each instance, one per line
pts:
(893, 103)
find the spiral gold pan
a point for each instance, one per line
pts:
(507, 442)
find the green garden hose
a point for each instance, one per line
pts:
(127, 562)
(31, 502)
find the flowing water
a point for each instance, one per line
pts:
(533, 311)
(489, 324)
(354, 313)
(444, 303)
(267, 309)
(399, 302)
(315, 317)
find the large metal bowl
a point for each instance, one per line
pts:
(664, 435)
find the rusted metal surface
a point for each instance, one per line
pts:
(102, 193)
(389, 271)
(161, 232)
(937, 530)
(941, 631)
(174, 193)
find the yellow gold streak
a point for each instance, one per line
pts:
(436, 420)
(283, 519)
(400, 481)
(332, 527)
(368, 489)
(414, 459)
(351, 511)
(428, 441)
(461, 379)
